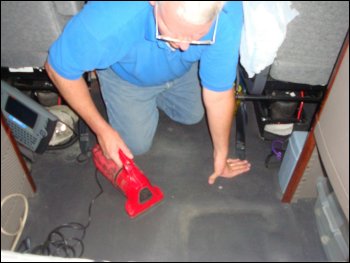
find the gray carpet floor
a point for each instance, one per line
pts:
(240, 219)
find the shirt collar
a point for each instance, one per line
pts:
(150, 30)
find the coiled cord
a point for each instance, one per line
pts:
(57, 243)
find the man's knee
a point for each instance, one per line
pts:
(140, 146)
(194, 117)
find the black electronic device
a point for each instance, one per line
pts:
(31, 124)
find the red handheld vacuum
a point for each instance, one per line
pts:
(140, 194)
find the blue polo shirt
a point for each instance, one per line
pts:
(122, 35)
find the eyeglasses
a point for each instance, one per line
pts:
(176, 40)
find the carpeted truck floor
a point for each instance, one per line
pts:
(240, 219)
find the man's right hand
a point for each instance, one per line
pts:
(110, 142)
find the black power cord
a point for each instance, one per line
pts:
(57, 243)
(84, 155)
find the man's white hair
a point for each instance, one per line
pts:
(198, 12)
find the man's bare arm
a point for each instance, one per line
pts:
(77, 94)
(219, 108)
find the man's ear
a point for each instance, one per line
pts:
(153, 3)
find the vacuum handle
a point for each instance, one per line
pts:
(127, 162)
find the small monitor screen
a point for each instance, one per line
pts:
(21, 112)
